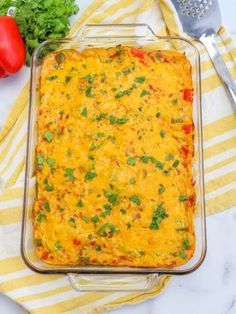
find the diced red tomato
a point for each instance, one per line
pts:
(188, 95)
(76, 242)
(45, 255)
(114, 55)
(187, 128)
(184, 151)
(191, 200)
(138, 53)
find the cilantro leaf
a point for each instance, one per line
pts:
(40, 20)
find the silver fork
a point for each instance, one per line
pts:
(201, 19)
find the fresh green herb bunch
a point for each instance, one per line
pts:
(39, 20)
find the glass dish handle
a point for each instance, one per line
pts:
(112, 282)
(97, 31)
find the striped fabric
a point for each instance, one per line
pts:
(53, 294)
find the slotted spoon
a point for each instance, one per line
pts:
(201, 19)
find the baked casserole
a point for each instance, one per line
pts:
(114, 159)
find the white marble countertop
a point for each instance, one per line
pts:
(209, 290)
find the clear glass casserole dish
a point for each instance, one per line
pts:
(113, 277)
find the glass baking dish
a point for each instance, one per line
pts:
(113, 277)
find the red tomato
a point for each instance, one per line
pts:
(188, 95)
(187, 128)
(12, 48)
(184, 151)
(45, 255)
(76, 242)
(138, 53)
(191, 200)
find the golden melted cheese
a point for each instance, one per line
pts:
(114, 158)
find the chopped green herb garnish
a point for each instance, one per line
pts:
(107, 229)
(158, 114)
(152, 159)
(101, 116)
(140, 79)
(107, 210)
(158, 57)
(100, 134)
(88, 91)
(135, 199)
(119, 51)
(132, 181)
(95, 219)
(113, 199)
(182, 254)
(85, 218)
(52, 78)
(114, 89)
(50, 161)
(46, 206)
(67, 79)
(92, 147)
(159, 165)
(144, 159)
(122, 120)
(58, 245)
(131, 161)
(69, 173)
(183, 198)
(60, 209)
(112, 120)
(123, 93)
(40, 160)
(158, 216)
(90, 175)
(185, 244)
(162, 134)
(40, 217)
(175, 163)
(80, 204)
(144, 93)
(169, 157)
(84, 112)
(112, 139)
(48, 135)
(48, 187)
(90, 78)
(161, 188)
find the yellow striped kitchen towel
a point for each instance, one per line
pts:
(43, 294)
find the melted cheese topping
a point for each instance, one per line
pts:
(114, 158)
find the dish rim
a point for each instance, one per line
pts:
(79, 36)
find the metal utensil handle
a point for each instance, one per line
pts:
(114, 282)
(220, 66)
